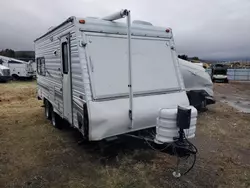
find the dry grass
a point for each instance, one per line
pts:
(34, 154)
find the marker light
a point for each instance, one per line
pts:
(82, 21)
(167, 30)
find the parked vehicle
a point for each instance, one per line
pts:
(219, 73)
(18, 69)
(108, 78)
(198, 84)
(4, 74)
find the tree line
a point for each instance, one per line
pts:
(22, 55)
(185, 57)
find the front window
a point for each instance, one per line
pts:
(220, 72)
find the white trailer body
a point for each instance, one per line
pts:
(198, 84)
(18, 68)
(83, 73)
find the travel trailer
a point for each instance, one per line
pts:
(108, 78)
(4, 74)
(18, 69)
(198, 84)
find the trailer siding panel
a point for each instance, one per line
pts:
(50, 86)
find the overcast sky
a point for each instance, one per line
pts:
(209, 29)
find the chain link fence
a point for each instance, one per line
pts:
(236, 74)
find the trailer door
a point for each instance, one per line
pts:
(66, 78)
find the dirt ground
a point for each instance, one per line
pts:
(236, 94)
(34, 154)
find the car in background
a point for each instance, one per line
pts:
(219, 73)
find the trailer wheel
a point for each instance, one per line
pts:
(56, 120)
(47, 109)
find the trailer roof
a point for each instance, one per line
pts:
(90, 24)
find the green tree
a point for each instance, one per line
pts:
(195, 58)
(184, 57)
(8, 53)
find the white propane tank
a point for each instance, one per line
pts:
(166, 125)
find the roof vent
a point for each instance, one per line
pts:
(140, 22)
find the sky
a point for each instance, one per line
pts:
(209, 29)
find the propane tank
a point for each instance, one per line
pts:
(166, 125)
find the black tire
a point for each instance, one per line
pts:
(47, 109)
(15, 77)
(56, 120)
(203, 106)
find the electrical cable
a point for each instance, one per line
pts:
(192, 166)
(194, 154)
(187, 145)
(152, 147)
(155, 149)
(192, 151)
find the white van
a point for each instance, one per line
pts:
(4, 74)
(108, 78)
(18, 69)
(219, 73)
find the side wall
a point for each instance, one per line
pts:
(50, 85)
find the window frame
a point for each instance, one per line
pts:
(65, 64)
(40, 66)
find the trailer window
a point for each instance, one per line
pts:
(65, 59)
(41, 66)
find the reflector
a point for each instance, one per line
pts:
(82, 21)
(167, 30)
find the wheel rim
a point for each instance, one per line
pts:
(47, 111)
(53, 119)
